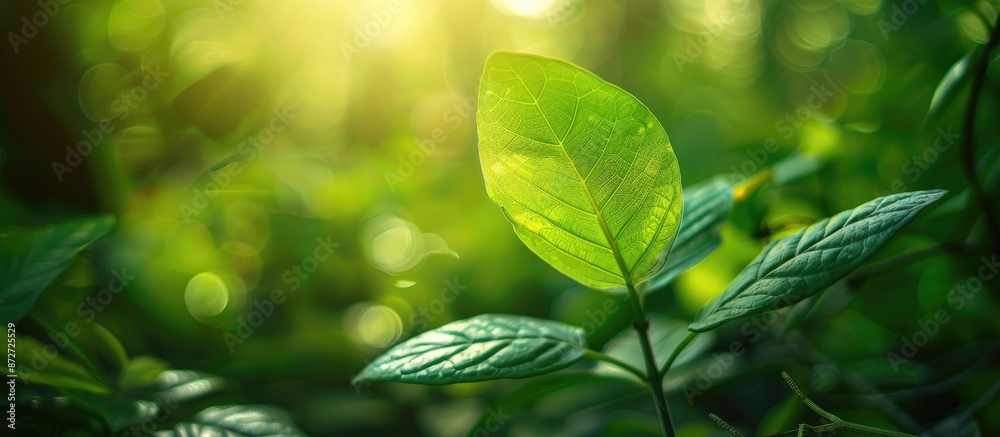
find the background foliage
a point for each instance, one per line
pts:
(327, 150)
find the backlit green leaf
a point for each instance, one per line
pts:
(485, 347)
(803, 264)
(31, 258)
(581, 168)
(706, 208)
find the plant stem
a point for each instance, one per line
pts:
(968, 153)
(652, 372)
(595, 355)
(677, 351)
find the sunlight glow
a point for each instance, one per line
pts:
(525, 8)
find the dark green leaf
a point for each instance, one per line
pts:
(88, 343)
(142, 372)
(31, 258)
(803, 264)
(236, 421)
(795, 166)
(147, 397)
(949, 86)
(706, 208)
(40, 363)
(581, 168)
(485, 347)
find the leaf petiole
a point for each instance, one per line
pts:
(597, 356)
(677, 351)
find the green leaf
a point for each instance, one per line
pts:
(151, 391)
(41, 363)
(31, 258)
(485, 347)
(236, 421)
(141, 373)
(803, 264)
(89, 343)
(706, 208)
(581, 168)
(949, 86)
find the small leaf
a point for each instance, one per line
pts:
(485, 347)
(796, 166)
(88, 343)
(151, 391)
(39, 363)
(180, 386)
(141, 373)
(803, 264)
(31, 258)
(949, 86)
(236, 421)
(581, 168)
(706, 208)
(148, 378)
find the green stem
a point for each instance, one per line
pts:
(871, 430)
(652, 372)
(595, 355)
(840, 423)
(968, 152)
(677, 351)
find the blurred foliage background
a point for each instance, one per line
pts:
(327, 149)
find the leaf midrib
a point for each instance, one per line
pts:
(612, 244)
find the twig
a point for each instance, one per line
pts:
(968, 152)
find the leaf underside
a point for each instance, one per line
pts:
(484, 347)
(803, 264)
(583, 171)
